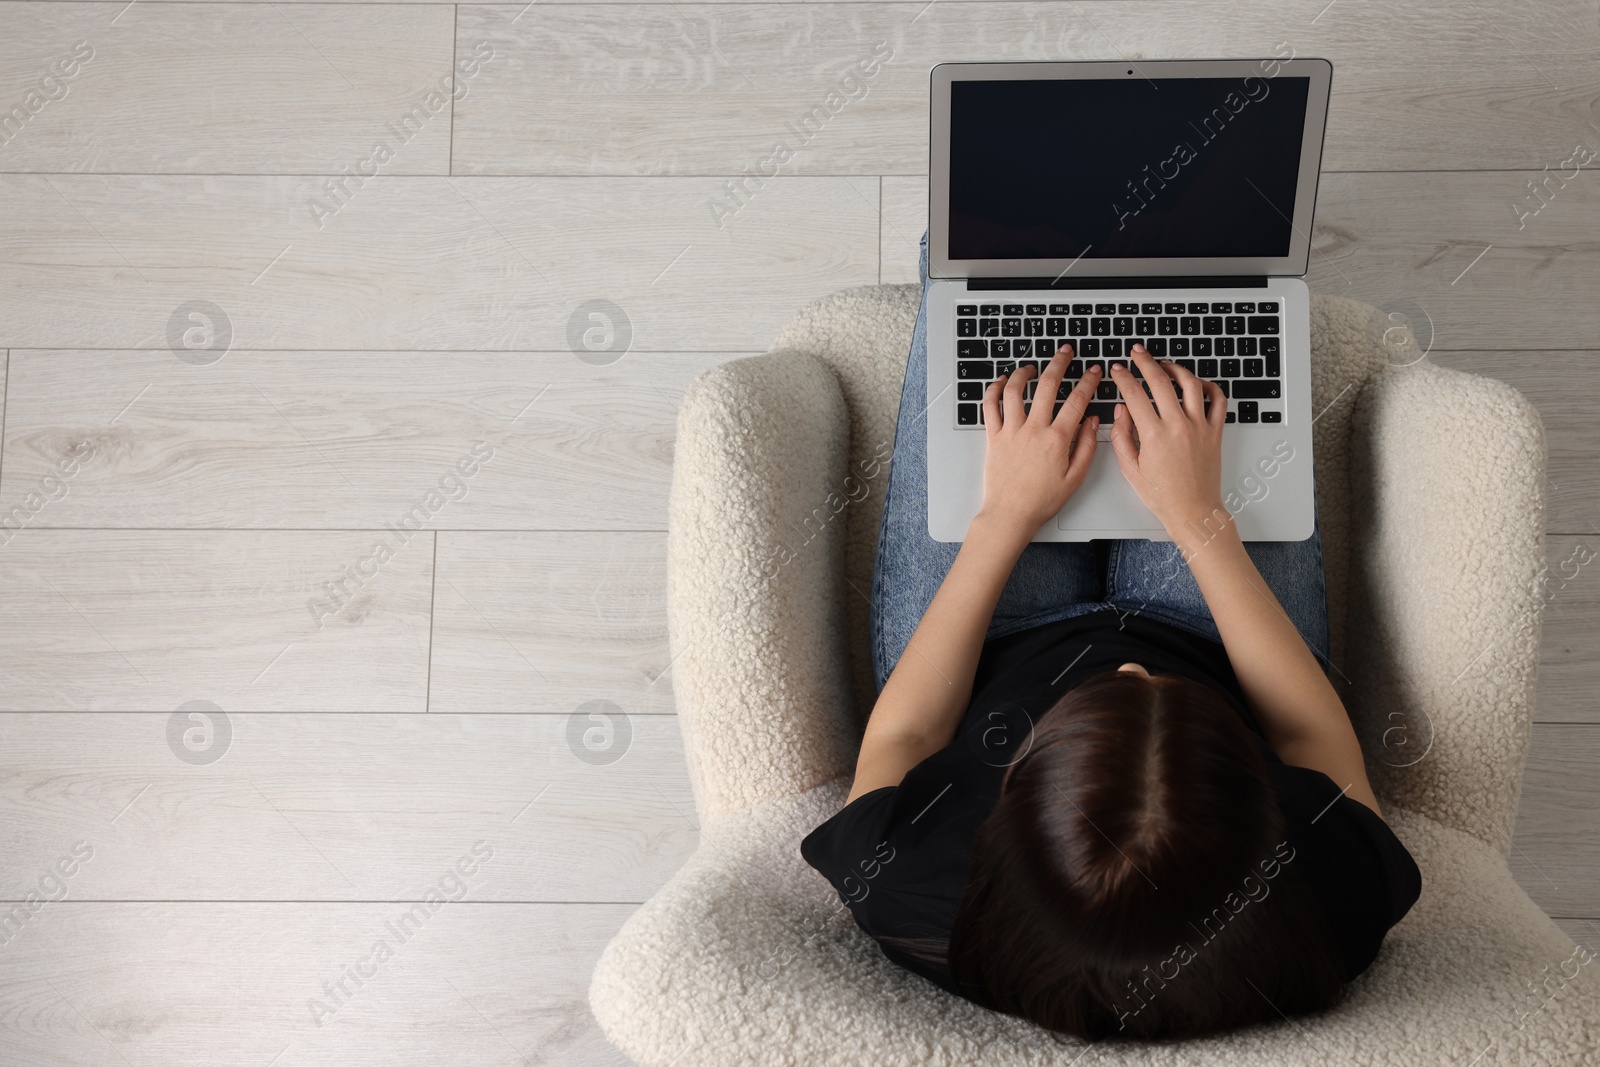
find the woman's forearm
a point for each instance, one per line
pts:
(1301, 715)
(927, 693)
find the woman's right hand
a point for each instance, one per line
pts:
(1175, 464)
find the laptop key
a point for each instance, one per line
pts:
(1100, 326)
(1127, 309)
(1083, 309)
(1190, 325)
(1265, 389)
(967, 414)
(999, 348)
(1010, 327)
(966, 309)
(1263, 323)
(1273, 370)
(1060, 309)
(1033, 327)
(1247, 346)
(1268, 307)
(1245, 307)
(1090, 347)
(1122, 325)
(1078, 326)
(988, 327)
(1055, 327)
(1207, 368)
(1150, 309)
(1186, 364)
(1254, 368)
(1156, 346)
(1225, 346)
(1106, 410)
(975, 369)
(1179, 347)
(1234, 324)
(971, 350)
(1224, 385)
(1230, 368)
(1249, 411)
(1272, 416)
(1111, 346)
(1145, 324)
(1173, 309)
(1211, 324)
(969, 390)
(1036, 309)
(1198, 309)
(1270, 346)
(1230, 417)
(1221, 308)
(989, 309)
(1105, 309)
(1004, 366)
(1202, 346)
(1013, 309)
(966, 327)
(1106, 391)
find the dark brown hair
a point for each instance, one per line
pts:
(1134, 878)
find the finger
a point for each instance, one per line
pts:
(1078, 399)
(1219, 405)
(1161, 391)
(1194, 393)
(1050, 377)
(991, 406)
(1133, 397)
(1015, 384)
(1083, 446)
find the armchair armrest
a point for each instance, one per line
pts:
(755, 590)
(1446, 552)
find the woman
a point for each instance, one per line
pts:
(1110, 789)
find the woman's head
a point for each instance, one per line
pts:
(1134, 879)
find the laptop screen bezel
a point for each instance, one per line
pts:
(1318, 71)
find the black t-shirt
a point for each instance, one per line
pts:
(873, 850)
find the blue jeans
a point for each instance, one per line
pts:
(1053, 580)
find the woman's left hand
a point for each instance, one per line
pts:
(1038, 459)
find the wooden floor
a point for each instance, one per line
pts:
(332, 577)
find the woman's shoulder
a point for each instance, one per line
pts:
(1352, 857)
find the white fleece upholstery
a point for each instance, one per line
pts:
(1430, 489)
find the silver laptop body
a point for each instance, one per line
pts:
(1133, 186)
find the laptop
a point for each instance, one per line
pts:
(1106, 203)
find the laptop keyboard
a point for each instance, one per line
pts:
(1237, 344)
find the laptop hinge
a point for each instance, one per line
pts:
(1214, 281)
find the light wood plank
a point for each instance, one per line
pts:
(351, 440)
(92, 984)
(105, 620)
(346, 807)
(502, 264)
(548, 622)
(664, 89)
(215, 88)
(905, 217)
(1556, 853)
(1585, 932)
(1569, 675)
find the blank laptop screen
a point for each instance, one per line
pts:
(1171, 168)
